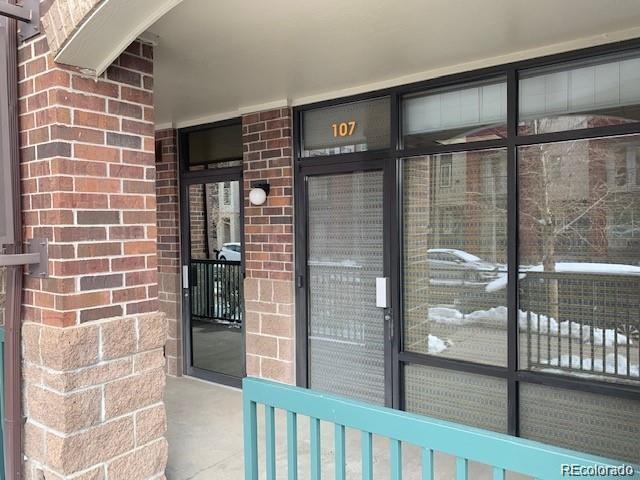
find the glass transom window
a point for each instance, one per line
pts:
(467, 113)
(595, 92)
(348, 128)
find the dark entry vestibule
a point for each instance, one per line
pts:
(212, 248)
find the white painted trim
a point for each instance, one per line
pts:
(218, 117)
(164, 126)
(120, 44)
(285, 102)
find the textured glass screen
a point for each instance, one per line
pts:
(346, 329)
(460, 397)
(467, 113)
(589, 93)
(352, 127)
(455, 251)
(580, 258)
(598, 424)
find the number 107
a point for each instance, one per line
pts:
(344, 129)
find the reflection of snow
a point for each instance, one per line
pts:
(538, 324)
(573, 361)
(570, 267)
(436, 345)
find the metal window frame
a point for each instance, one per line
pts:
(186, 179)
(14, 280)
(393, 183)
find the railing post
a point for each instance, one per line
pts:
(250, 420)
(292, 446)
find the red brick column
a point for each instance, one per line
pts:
(93, 336)
(267, 138)
(168, 195)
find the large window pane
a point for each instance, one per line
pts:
(347, 128)
(602, 425)
(454, 221)
(216, 277)
(467, 398)
(580, 257)
(466, 113)
(584, 94)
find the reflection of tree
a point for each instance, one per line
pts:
(565, 200)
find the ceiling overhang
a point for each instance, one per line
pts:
(108, 30)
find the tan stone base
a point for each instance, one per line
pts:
(93, 399)
(270, 329)
(169, 297)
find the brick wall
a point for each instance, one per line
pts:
(92, 333)
(197, 222)
(268, 243)
(168, 214)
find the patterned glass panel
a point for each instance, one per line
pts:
(346, 329)
(580, 258)
(603, 425)
(455, 254)
(460, 397)
(587, 93)
(465, 113)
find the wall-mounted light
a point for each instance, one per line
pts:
(259, 192)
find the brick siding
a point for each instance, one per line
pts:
(268, 230)
(92, 335)
(168, 214)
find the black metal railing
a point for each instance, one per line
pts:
(581, 322)
(216, 290)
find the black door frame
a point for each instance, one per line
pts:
(394, 155)
(201, 177)
(302, 282)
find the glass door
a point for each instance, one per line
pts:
(214, 280)
(346, 330)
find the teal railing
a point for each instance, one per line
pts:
(502, 452)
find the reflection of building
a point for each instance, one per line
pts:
(216, 205)
(580, 198)
(223, 208)
(469, 195)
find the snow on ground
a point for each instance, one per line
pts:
(538, 324)
(436, 345)
(609, 365)
(569, 267)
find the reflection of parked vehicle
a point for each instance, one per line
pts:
(230, 251)
(448, 266)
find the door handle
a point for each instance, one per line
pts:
(383, 295)
(185, 276)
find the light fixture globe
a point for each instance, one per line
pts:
(257, 196)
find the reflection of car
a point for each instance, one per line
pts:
(230, 251)
(448, 266)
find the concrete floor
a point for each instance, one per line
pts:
(205, 440)
(218, 347)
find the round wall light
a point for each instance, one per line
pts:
(259, 192)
